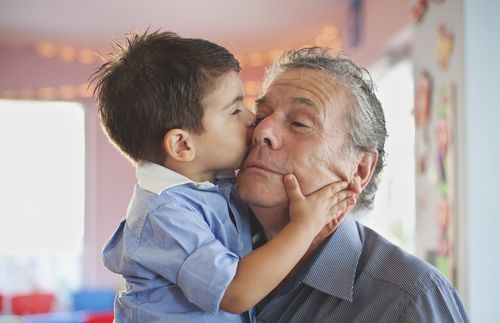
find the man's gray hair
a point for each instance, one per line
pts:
(365, 122)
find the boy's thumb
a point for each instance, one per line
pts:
(292, 187)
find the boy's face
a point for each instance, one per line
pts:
(228, 126)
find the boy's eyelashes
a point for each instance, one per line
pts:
(237, 109)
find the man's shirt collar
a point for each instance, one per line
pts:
(155, 178)
(339, 263)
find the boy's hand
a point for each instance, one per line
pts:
(319, 208)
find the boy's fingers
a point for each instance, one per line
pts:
(344, 205)
(340, 196)
(340, 217)
(292, 187)
(332, 189)
(336, 187)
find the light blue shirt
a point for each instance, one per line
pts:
(178, 248)
(358, 276)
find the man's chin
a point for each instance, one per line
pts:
(261, 188)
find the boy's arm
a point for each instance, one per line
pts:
(262, 270)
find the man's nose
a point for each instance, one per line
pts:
(266, 133)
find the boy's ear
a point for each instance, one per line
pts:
(364, 171)
(179, 146)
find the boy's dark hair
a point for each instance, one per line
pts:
(154, 83)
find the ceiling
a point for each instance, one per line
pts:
(239, 25)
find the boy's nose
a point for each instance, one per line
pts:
(250, 118)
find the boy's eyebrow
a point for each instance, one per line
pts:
(235, 100)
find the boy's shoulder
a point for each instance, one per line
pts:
(175, 202)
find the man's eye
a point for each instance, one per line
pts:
(299, 124)
(258, 120)
(236, 111)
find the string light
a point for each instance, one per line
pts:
(8, 94)
(328, 37)
(26, 94)
(46, 93)
(86, 56)
(47, 50)
(65, 92)
(67, 53)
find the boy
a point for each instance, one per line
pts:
(174, 106)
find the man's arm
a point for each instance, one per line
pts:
(262, 270)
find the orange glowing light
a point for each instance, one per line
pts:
(46, 49)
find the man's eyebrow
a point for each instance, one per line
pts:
(261, 100)
(304, 101)
(296, 100)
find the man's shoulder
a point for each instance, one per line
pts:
(382, 260)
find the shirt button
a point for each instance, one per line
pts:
(203, 186)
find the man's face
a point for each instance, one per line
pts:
(301, 130)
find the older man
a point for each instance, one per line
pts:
(319, 119)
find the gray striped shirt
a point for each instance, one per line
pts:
(358, 276)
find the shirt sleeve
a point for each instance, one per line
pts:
(177, 244)
(439, 303)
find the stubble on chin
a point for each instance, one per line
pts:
(260, 191)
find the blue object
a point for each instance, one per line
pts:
(93, 300)
(61, 317)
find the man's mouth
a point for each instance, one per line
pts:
(262, 167)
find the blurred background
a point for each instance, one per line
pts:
(64, 188)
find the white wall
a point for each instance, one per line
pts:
(429, 197)
(482, 157)
(474, 69)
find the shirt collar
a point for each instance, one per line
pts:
(337, 261)
(155, 178)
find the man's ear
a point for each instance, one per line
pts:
(179, 146)
(364, 171)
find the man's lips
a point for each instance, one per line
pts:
(262, 167)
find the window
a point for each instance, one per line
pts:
(394, 213)
(42, 187)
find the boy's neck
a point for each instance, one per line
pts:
(191, 171)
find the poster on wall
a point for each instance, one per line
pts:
(422, 114)
(444, 46)
(445, 166)
(437, 72)
(435, 170)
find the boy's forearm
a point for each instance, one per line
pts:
(263, 269)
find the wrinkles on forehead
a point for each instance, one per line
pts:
(320, 90)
